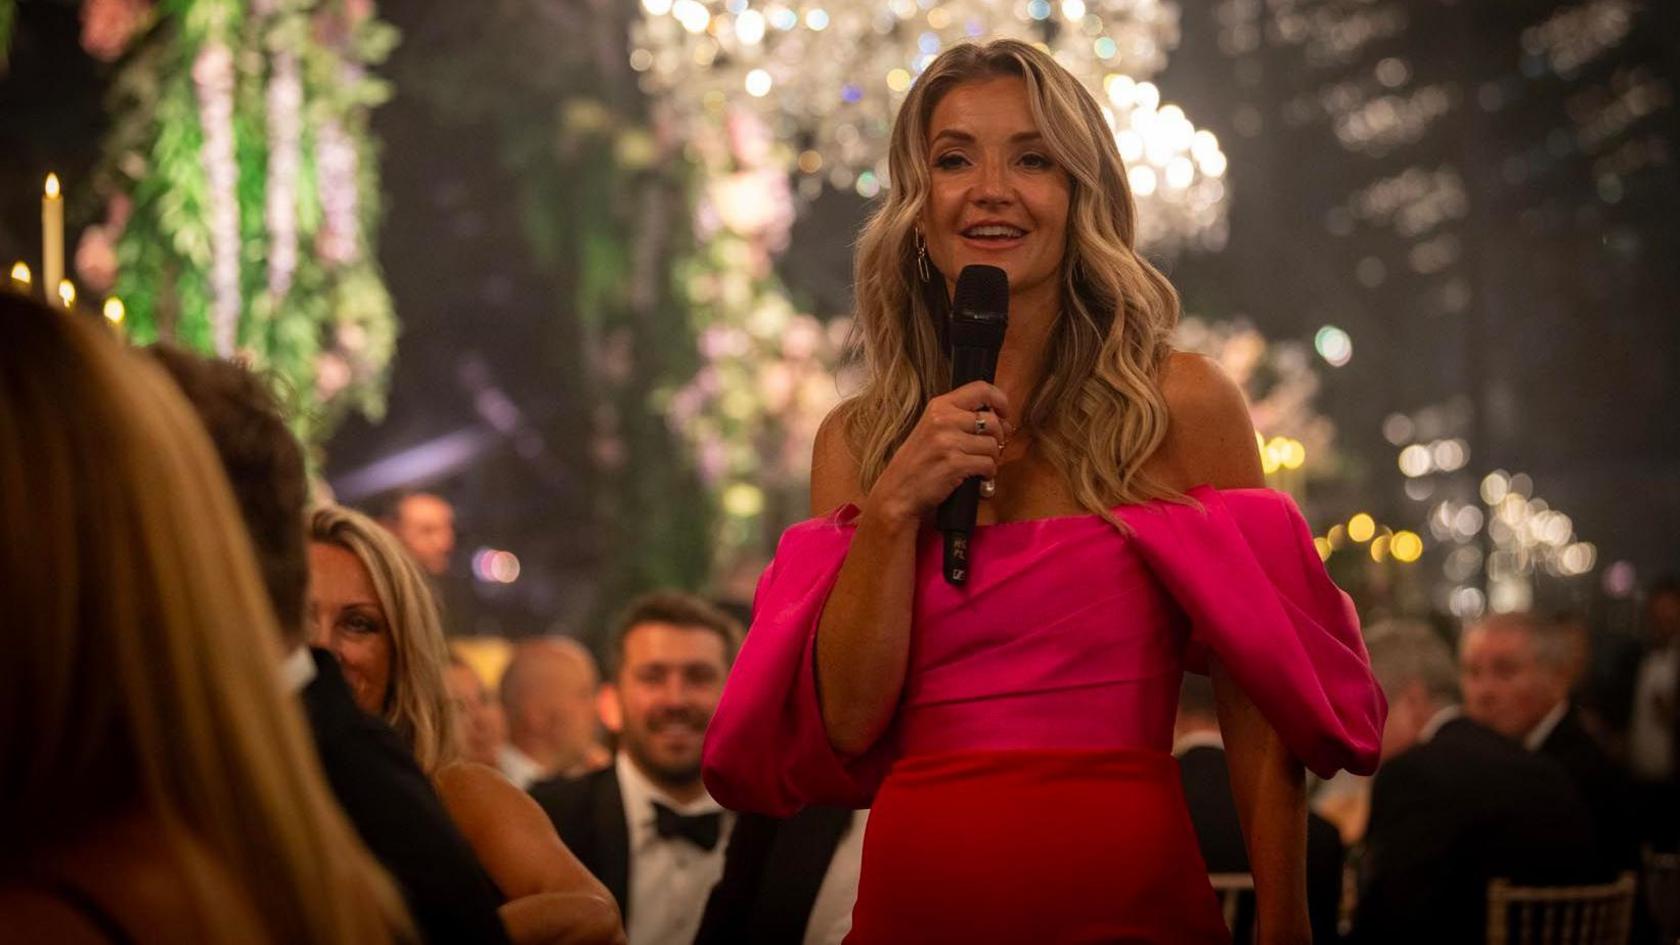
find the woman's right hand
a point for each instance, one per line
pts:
(941, 451)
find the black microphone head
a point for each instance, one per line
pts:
(982, 293)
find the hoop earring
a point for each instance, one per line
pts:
(921, 257)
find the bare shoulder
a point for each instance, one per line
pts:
(480, 796)
(1210, 436)
(834, 470)
(511, 836)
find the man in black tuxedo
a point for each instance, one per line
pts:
(1515, 672)
(1454, 806)
(373, 776)
(645, 825)
(1207, 791)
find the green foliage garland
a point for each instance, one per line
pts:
(327, 336)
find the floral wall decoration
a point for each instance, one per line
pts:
(242, 190)
(767, 374)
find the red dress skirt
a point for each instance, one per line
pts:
(1031, 846)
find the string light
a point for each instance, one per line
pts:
(1361, 527)
(1333, 345)
(493, 566)
(1406, 546)
(1385, 544)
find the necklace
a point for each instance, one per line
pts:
(988, 487)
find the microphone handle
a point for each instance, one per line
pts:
(957, 513)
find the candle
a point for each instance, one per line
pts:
(115, 312)
(21, 279)
(66, 293)
(52, 236)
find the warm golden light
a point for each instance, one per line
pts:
(1337, 536)
(1361, 527)
(21, 274)
(1294, 454)
(52, 236)
(743, 500)
(1323, 547)
(1406, 547)
(115, 311)
(66, 292)
(1379, 548)
(1268, 454)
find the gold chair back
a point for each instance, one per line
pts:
(1561, 915)
(1232, 888)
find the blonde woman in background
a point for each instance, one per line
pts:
(480, 730)
(155, 784)
(370, 604)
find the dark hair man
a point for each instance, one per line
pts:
(645, 825)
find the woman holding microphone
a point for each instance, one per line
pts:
(1012, 734)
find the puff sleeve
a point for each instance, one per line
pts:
(767, 750)
(1244, 570)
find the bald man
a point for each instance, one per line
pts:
(548, 696)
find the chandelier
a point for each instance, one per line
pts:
(828, 76)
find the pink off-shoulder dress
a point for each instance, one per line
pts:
(1025, 791)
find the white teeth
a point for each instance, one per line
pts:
(982, 232)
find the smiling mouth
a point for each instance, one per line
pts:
(993, 233)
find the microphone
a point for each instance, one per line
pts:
(979, 318)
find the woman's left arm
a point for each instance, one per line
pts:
(1269, 787)
(1210, 440)
(551, 897)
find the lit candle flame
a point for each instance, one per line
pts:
(115, 311)
(20, 273)
(52, 186)
(66, 292)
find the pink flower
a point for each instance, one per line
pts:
(109, 25)
(332, 375)
(96, 259)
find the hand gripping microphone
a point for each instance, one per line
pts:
(979, 317)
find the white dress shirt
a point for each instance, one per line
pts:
(1206, 738)
(831, 912)
(297, 670)
(1651, 729)
(1437, 720)
(670, 879)
(1543, 729)
(518, 767)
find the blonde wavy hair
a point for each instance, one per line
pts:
(1100, 414)
(417, 703)
(142, 664)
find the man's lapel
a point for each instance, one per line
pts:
(613, 833)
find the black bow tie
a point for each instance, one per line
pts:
(699, 829)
